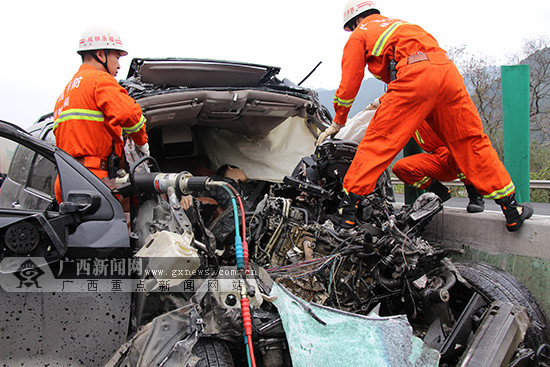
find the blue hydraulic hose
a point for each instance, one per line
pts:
(239, 254)
(248, 358)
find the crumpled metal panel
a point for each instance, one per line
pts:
(62, 329)
(497, 338)
(320, 336)
(167, 340)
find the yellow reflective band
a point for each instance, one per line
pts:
(79, 114)
(417, 184)
(420, 140)
(136, 127)
(343, 102)
(498, 194)
(384, 37)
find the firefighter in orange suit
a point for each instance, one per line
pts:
(425, 170)
(423, 85)
(94, 111)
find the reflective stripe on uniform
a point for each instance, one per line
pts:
(418, 137)
(79, 114)
(343, 102)
(136, 127)
(417, 184)
(384, 37)
(499, 194)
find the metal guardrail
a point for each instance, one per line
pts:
(535, 184)
(540, 184)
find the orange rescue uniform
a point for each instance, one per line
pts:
(419, 170)
(93, 111)
(428, 88)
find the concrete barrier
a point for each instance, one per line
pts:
(487, 231)
(483, 237)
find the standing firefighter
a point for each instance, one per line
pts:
(423, 84)
(93, 111)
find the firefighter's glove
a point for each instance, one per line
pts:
(330, 131)
(144, 149)
(374, 105)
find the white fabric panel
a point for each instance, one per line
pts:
(267, 158)
(356, 126)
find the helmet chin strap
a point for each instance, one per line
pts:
(101, 62)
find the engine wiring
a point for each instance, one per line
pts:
(302, 269)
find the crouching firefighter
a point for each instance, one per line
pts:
(424, 171)
(423, 85)
(94, 111)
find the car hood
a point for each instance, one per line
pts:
(200, 73)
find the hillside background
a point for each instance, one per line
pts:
(371, 88)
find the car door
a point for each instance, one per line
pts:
(32, 223)
(50, 317)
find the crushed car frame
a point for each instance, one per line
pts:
(231, 282)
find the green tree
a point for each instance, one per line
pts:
(536, 53)
(482, 80)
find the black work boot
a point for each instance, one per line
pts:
(476, 203)
(515, 213)
(346, 219)
(440, 190)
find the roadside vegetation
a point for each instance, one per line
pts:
(482, 77)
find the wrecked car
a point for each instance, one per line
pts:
(267, 281)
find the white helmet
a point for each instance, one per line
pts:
(354, 8)
(100, 38)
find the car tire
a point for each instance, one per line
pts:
(213, 353)
(495, 284)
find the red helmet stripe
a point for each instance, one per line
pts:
(365, 3)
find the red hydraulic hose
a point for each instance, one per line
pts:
(247, 324)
